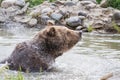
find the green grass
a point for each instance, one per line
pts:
(37, 2)
(112, 3)
(34, 2)
(98, 1)
(90, 28)
(116, 27)
(8, 76)
(19, 76)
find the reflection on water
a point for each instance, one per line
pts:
(94, 56)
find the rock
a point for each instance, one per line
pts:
(79, 28)
(81, 13)
(50, 22)
(2, 19)
(104, 3)
(84, 3)
(90, 0)
(73, 21)
(22, 19)
(116, 18)
(65, 13)
(32, 22)
(56, 16)
(3, 16)
(90, 6)
(43, 19)
(59, 3)
(20, 2)
(69, 3)
(47, 10)
(23, 10)
(107, 76)
(8, 3)
(35, 13)
(98, 24)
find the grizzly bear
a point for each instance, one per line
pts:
(40, 52)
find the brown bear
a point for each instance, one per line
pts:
(41, 51)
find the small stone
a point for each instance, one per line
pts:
(82, 14)
(90, 6)
(69, 3)
(90, 0)
(2, 19)
(32, 22)
(43, 19)
(86, 2)
(35, 13)
(20, 2)
(46, 11)
(79, 28)
(65, 13)
(50, 22)
(56, 16)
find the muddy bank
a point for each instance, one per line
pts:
(81, 15)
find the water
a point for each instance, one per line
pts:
(94, 56)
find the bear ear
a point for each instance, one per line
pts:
(51, 32)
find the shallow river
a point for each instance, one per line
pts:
(94, 56)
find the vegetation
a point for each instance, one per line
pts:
(7, 76)
(19, 76)
(98, 1)
(0, 1)
(116, 27)
(36, 2)
(90, 28)
(112, 3)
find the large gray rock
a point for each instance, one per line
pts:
(116, 18)
(73, 21)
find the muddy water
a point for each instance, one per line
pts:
(93, 57)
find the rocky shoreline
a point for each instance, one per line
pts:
(84, 15)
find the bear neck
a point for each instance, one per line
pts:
(45, 48)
